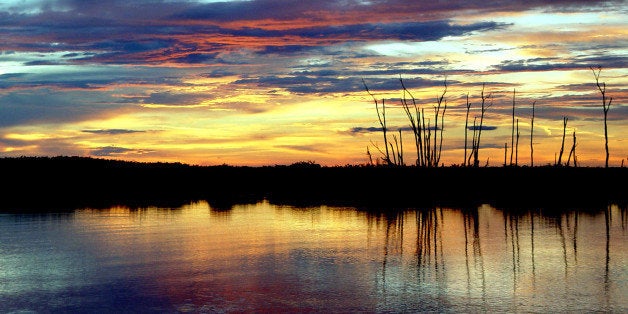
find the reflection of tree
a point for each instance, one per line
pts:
(532, 246)
(575, 237)
(394, 237)
(393, 242)
(563, 226)
(607, 220)
(624, 218)
(559, 225)
(472, 227)
(429, 239)
(511, 223)
(434, 262)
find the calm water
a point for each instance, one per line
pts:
(264, 257)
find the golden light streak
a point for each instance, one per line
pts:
(28, 137)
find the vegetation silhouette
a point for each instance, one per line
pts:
(429, 149)
(58, 182)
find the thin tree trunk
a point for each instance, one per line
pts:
(512, 132)
(505, 153)
(562, 146)
(466, 129)
(476, 161)
(382, 121)
(531, 137)
(517, 146)
(415, 124)
(605, 106)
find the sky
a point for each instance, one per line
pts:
(270, 82)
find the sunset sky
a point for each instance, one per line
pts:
(267, 82)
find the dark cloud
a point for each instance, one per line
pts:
(196, 58)
(357, 130)
(304, 148)
(131, 32)
(483, 128)
(112, 131)
(49, 106)
(415, 31)
(383, 84)
(173, 98)
(551, 64)
(125, 33)
(42, 62)
(306, 84)
(287, 49)
(290, 9)
(88, 78)
(220, 72)
(327, 82)
(111, 150)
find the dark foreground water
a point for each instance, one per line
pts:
(270, 258)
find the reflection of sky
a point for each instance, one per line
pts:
(267, 257)
(259, 83)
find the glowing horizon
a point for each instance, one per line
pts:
(267, 82)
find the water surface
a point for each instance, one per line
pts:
(265, 257)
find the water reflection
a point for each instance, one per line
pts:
(266, 257)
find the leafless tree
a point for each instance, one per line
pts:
(381, 116)
(572, 152)
(476, 161)
(606, 104)
(437, 153)
(531, 137)
(517, 146)
(415, 121)
(466, 129)
(428, 149)
(512, 132)
(562, 146)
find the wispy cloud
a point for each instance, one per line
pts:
(112, 131)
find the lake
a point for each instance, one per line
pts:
(264, 257)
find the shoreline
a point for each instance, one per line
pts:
(38, 182)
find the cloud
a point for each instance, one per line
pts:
(358, 130)
(303, 84)
(112, 131)
(483, 128)
(115, 150)
(553, 64)
(120, 33)
(303, 148)
(177, 98)
(49, 106)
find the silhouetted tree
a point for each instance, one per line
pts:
(517, 146)
(531, 136)
(505, 153)
(466, 128)
(428, 154)
(381, 116)
(572, 152)
(512, 127)
(476, 161)
(605, 106)
(437, 153)
(562, 146)
(415, 122)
